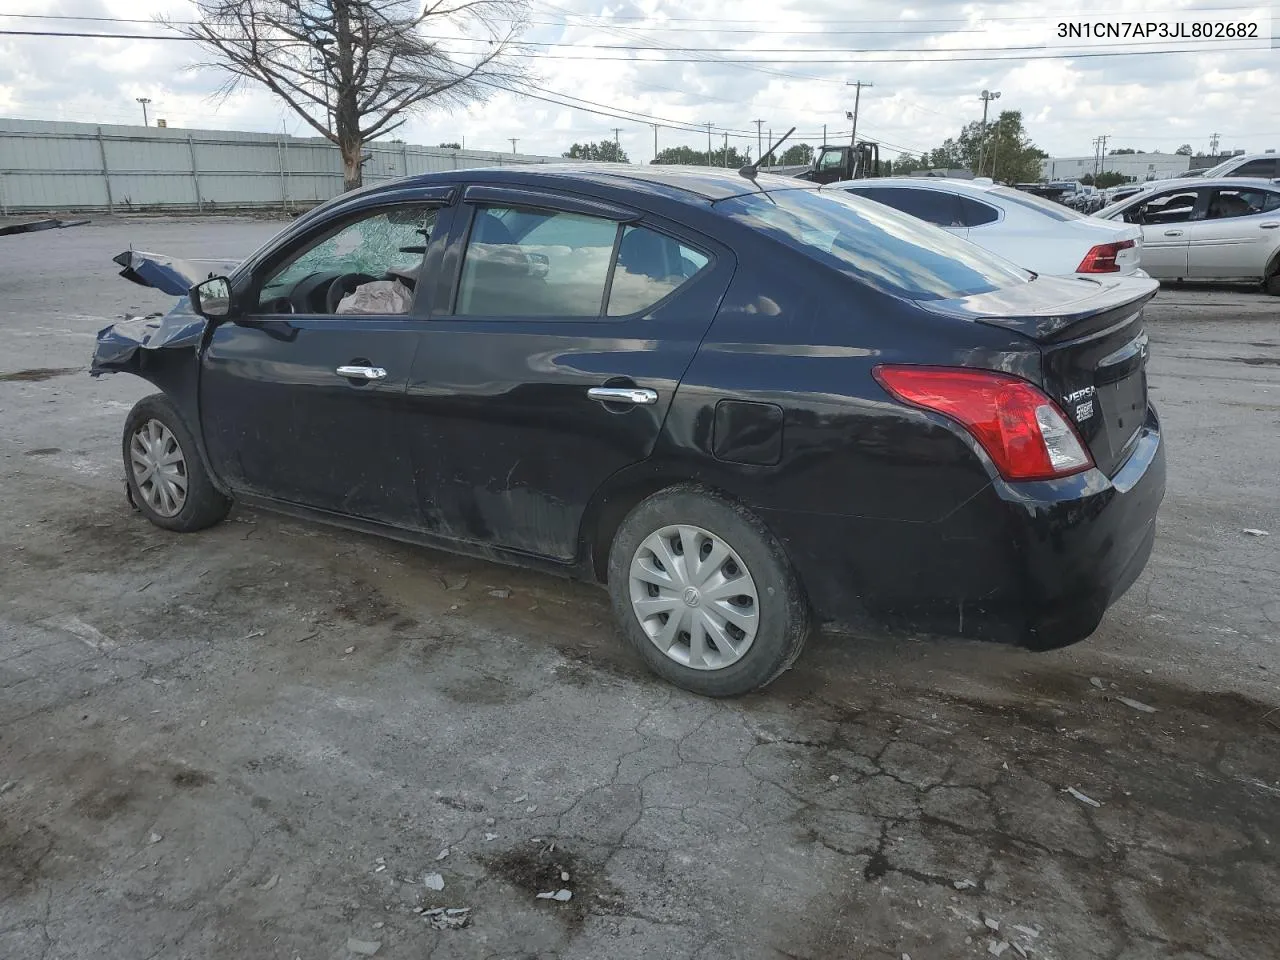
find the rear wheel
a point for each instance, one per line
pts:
(705, 594)
(1272, 283)
(167, 479)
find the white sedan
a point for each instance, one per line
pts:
(1226, 228)
(1038, 234)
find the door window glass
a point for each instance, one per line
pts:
(367, 266)
(1166, 208)
(526, 263)
(1256, 168)
(975, 213)
(1227, 202)
(830, 160)
(650, 266)
(932, 206)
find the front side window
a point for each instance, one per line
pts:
(1165, 208)
(874, 244)
(830, 160)
(367, 266)
(532, 263)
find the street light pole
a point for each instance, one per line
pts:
(144, 101)
(857, 96)
(987, 97)
(708, 125)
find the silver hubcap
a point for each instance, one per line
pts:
(694, 597)
(159, 468)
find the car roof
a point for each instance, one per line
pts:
(1192, 183)
(676, 182)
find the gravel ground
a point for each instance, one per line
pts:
(255, 742)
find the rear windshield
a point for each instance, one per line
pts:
(877, 245)
(1049, 208)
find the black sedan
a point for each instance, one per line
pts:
(745, 405)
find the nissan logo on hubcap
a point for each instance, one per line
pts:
(691, 596)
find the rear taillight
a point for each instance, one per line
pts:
(1021, 429)
(1102, 258)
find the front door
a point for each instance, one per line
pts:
(1164, 218)
(551, 363)
(1237, 234)
(302, 399)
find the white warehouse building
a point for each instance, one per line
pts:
(1135, 166)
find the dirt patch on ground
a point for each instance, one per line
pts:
(37, 374)
(547, 867)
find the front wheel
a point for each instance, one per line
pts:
(705, 594)
(167, 479)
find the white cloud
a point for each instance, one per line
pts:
(1147, 102)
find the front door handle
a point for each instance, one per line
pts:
(356, 372)
(1269, 225)
(636, 395)
(1173, 233)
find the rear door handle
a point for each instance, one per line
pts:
(354, 372)
(1269, 225)
(637, 395)
(1173, 233)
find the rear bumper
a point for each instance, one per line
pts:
(1035, 564)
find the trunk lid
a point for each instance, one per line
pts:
(1093, 349)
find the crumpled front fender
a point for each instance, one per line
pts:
(119, 345)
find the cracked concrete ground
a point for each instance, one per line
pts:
(254, 742)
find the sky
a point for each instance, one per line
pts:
(786, 62)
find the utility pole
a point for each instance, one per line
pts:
(1102, 153)
(771, 143)
(145, 100)
(726, 150)
(655, 142)
(824, 135)
(708, 125)
(759, 134)
(987, 97)
(857, 96)
(1213, 145)
(514, 141)
(617, 139)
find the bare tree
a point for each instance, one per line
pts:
(356, 69)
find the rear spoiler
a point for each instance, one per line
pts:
(169, 274)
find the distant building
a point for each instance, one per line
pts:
(1134, 166)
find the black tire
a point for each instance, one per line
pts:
(204, 505)
(783, 614)
(1272, 284)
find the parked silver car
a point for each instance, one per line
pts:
(1224, 228)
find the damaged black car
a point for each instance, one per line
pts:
(746, 405)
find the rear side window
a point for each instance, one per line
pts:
(1226, 202)
(874, 244)
(975, 213)
(650, 267)
(931, 206)
(1054, 211)
(536, 263)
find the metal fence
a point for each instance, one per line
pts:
(120, 169)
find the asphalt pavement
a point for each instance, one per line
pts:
(278, 740)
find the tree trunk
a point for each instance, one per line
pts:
(352, 172)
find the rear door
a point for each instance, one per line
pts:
(1236, 235)
(1164, 218)
(552, 356)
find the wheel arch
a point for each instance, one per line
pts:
(621, 493)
